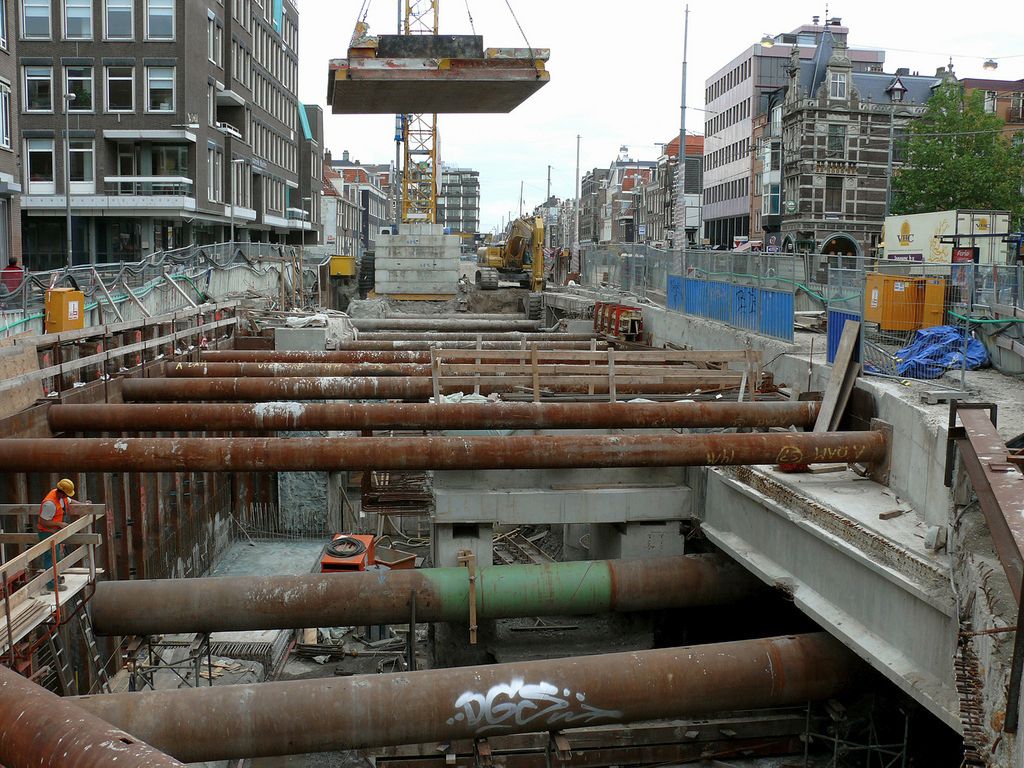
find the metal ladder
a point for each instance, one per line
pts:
(60, 663)
(98, 667)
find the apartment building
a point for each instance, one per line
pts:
(10, 173)
(591, 199)
(370, 195)
(181, 120)
(734, 97)
(1001, 97)
(458, 204)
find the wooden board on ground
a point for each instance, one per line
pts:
(840, 383)
(15, 361)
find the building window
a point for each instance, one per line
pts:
(990, 101)
(213, 40)
(38, 89)
(78, 19)
(896, 94)
(836, 146)
(837, 85)
(78, 80)
(159, 89)
(211, 104)
(170, 161)
(35, 19)
(120, 89)
(81, 162)
(1016, 107)
(40, 166)
(159, 19)
(3, 24)
(5, 116)
(214, 174)
(833, 194)
(120, 19)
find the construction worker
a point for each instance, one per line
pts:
(54, 512)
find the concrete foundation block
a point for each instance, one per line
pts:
(636, 540)
(300, 339)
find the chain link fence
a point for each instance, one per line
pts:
(921, 320)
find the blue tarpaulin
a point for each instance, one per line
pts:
(933, 351)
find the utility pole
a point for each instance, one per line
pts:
(68, 98)
(547, 202)
(680, 265)
(520, 197)
(576, 215)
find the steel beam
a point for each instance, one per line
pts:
(236, 721)
(394, 387)
(40, 729)
(442, 324)
(284, 416)
(302, 454)
(442, 594)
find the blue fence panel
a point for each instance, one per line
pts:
(674, 293)
(759, 310)
(776, 314)
(836, 320)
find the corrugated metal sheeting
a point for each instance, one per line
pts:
(761, 310)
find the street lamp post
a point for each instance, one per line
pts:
(68, 98)
(302, 245)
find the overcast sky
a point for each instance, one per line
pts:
(615, 73)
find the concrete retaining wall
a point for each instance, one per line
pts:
(419, 259)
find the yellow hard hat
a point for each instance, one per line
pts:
(67, 486)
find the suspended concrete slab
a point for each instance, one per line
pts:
(498, 81)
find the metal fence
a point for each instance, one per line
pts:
(749, 291)
(116, 287)
(922, 320)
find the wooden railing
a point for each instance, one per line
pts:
(25, 596)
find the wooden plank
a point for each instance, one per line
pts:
(840, 383)
(15, 363)
(19, 562)
(31, 538)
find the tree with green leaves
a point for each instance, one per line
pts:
(957, 155)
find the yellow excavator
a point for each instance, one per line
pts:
(518, 256)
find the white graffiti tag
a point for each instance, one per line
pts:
(519, 704)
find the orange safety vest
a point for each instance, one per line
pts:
(50, 526)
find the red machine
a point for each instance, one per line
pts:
(347, 552)
(619, 321)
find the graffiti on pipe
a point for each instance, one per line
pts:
(518, 704)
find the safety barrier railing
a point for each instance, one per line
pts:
(183, 272)
(28, 589)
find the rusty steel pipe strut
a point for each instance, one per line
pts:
(441, 336)
(186, 370)
(442, 594)
(353, 356)
(40, 729)
(237, 721)
(442, 324)
(445, 343)
(261, 389)
(326, 454)
(249, 417)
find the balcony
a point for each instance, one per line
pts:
(149, 186)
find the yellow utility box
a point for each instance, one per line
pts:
(65, 310)
(904, 303)
(343, 266)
